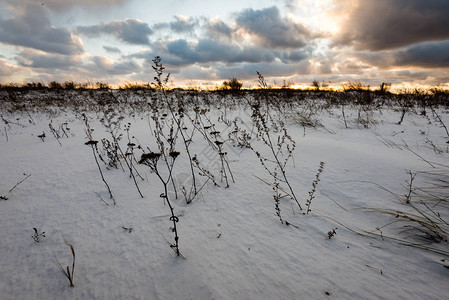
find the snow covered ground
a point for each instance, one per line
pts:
(234, 244)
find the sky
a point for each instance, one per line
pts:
(404, 42)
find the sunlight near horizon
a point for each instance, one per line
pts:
(298, 41)
(317, 16)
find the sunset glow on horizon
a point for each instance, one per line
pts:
(402, 42)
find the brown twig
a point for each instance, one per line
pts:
(27, 176)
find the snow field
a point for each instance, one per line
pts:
(234, 244)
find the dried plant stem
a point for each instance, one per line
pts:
(277, 196)
(344, 117)
(224, 163)
(173, 217)
(264, 124)
(438, 118)
(131, 167)
(180, 130)
(27, 176)
(101, 199)
(126, 161)
(410, 187)
(69, 274)
(151, 160)
(314, 185)
(282, 169)
(93, 145)
(55, 133)
(404, 111)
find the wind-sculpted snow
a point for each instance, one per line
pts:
(348, 246)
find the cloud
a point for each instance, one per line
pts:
(431, 55)
(426, 55)
(6, 68)
(32, 28)
(248, 71)
(104, 65)
(388, 24)
(66, 66)
(408, 75)
(270, 30)
(112, 49)
(183, 52)
(183, 24)
(216, 28)
(291, 5)
(195, 72)
(131, 31)
(294, 56)
(41, 60)
(242, 71)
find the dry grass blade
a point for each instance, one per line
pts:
(377, 185)
(318, 214)
(69, 274)
(73, 265)
(422, 224)
(376, 269)
(410, 244)
(330, 198)
(424, 216)
(425, 160)
(286, 194)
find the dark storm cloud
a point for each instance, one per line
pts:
(387, 24)
(425, 55)
(32, 28)
(131, 31)
(270, 30)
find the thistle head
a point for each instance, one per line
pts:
(91, 142)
